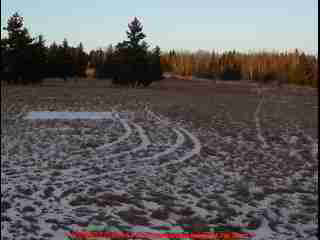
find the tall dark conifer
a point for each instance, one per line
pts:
(18, 44)
(134, 65)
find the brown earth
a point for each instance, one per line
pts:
(197, 101)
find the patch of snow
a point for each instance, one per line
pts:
(293, 140)
(315, 150)
(46, 115)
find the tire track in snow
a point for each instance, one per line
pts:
(257, 120)
(128, 132)
(195, 150)
(143, 145)
(177, 144)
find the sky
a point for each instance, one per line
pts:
(246, 25)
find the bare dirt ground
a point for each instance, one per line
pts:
(230, 153)
(195, 101)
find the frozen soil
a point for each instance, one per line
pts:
(174, 154)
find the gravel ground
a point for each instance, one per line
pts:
(177, 153)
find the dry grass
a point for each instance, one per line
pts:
(193, 101)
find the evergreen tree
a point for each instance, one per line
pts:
(4, 58)
(108, 63)
(155, 65)
(18, 45)
(135, 34)
(53, 60)
(97, 61)
(38, 59)
(132, 62)
(66, 61)
(80, 61)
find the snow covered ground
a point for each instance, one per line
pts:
(63, 171)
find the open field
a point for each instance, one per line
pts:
(180, 152)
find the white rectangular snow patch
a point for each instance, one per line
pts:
(68, 115)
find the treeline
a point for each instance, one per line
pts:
(294, 68)
(130, 62)
(67, 62)
(28, 60)
(25, 59)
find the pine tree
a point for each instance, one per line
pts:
(66, 60)
(135, 34)
(108, 63)
(38, 57)
(25, 57)
(53, 60)
(17, 49)
(155, 65)
(4, 59)
(80, 61)
(132, 63)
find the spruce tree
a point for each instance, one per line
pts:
(4, 60)
(65, 59)
(53, 60)
(133, 64)
(38, 59)
(155, 64)
(17, 48)
(108, 62)
(80, 61)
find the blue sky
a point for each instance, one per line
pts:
(204, 24)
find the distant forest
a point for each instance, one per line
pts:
(26, 60)
(293, 68)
